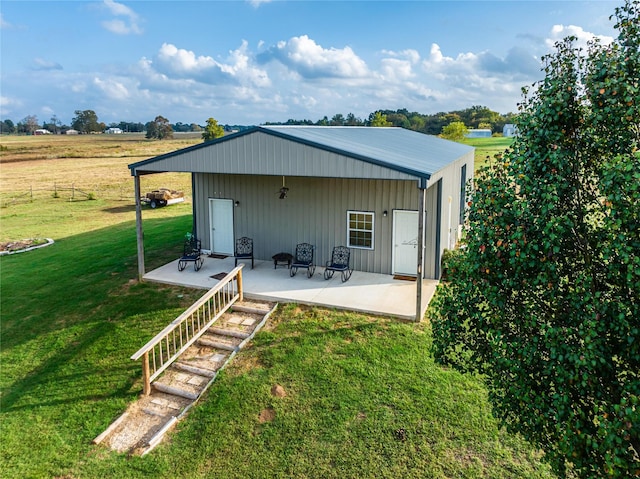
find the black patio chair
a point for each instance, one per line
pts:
(244, 249)
(303, 259)
(339, 262)
(192, 252)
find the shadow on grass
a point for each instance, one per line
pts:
(62, 378)
(120, 209)
(73, 313)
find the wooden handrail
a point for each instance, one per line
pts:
(182, 332)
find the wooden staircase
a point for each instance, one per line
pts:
(176, 383)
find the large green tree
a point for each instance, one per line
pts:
(86, 121)
(212, 130)
(544, 299)
(454, 131)
(159, 129)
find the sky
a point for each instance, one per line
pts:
(257, 61)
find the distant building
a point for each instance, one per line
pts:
(72, 132)
(509, 129)
(114, 131)
(42, 131)
(479, 133)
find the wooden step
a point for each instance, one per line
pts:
(175, 391)
(217, 345)
(247, 309)
(229, 332)
(194, 369)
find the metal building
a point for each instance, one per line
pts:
(361, 187)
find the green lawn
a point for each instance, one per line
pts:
(364, 396)
(486, 148)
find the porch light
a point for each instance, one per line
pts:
(385, 213)
(237, 203)
(283, 191)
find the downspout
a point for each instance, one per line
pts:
(139, 233)
(422, 189)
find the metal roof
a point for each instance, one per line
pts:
(396, 148)
(407, 151)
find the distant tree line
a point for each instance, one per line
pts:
(86, 121)
(474, 117)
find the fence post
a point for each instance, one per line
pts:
(146, 387)
(73, 191)
(31, 191)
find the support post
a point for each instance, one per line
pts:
(146, 383)
(421, 201)
(139, 233)
(240, 294)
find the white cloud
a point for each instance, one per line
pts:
(410, 54)
(238, 68)
(129, 25)
(310, 60)
(257, 3)
(3, 23)
(184, 62)
(559, 32)
(112, 88)
(395, 70)
(42, 64)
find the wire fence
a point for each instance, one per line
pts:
(66, 192)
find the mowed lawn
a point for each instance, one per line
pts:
(364, 395)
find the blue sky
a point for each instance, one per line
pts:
(249, 62)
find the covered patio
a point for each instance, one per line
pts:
(368, 293)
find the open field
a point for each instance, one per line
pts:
(32, 168)
(487, 148)
(364, 395)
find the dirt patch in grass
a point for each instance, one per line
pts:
(266, 415)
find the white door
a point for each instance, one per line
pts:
(405, 242)
(221, 221)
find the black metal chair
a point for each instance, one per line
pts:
(192, 252)
(303, 259)
(340, 258)
(244, 249)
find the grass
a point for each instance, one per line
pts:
(364, 396)
(487, 148)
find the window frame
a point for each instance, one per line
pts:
(350, 229)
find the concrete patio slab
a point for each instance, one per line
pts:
(365, 292)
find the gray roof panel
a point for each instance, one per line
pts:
(407, 151)
(396, 148)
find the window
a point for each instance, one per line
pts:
(360, 229)
(463, 192)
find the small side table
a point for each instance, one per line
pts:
(282, 259)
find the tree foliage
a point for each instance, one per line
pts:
(454, 131)
(212, 130)
(545, 297)
(378, 119)
(86, 121)
(159, 129)
(28, 124)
